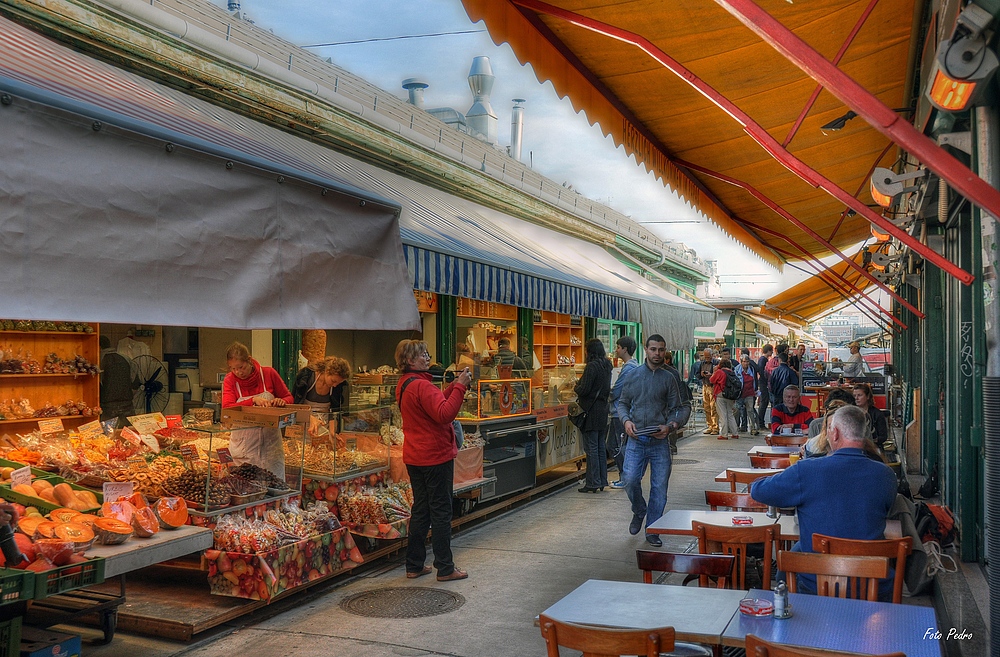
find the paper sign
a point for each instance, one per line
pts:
(130, 435)
(91, 430)
(225, 456)
(148, 423)
(152, 443)
(50, 425)
(114, 489)
(136, 464)
(189, 452)
(293, 431)
(21, 476)
(174, 421)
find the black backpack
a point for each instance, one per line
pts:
(734, 387)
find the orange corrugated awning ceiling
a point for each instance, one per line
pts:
(820, 295)
(662, 120)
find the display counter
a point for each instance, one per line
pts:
(162, 546)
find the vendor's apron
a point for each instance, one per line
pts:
(260, 446)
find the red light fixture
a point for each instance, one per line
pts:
(963, 64)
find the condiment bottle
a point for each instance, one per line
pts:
(781, 607)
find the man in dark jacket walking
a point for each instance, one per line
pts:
(781, 378)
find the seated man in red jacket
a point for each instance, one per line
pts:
(790, 414)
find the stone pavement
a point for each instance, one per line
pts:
(519, 564)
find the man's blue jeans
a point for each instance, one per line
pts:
(640, 452)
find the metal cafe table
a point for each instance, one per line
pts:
(772, 450)
(678, 522)
(697, 614)
(847, 625)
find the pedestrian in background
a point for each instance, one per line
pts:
(746, 414)
(592, 391)
(625, 350)
(726, 407)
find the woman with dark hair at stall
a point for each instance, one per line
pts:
(878, 425)
(429, 451)
(592, 392)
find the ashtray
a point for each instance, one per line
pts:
(756, 607)
(742, 520)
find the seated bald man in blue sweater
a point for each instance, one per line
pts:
(846, 494)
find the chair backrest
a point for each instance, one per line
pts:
(734, 541)
(604, 642)
(719, 566)
(786, 441)
(840, 576)
(893, 548)
(773, 462)
(757, 647)
(745, 478)
(732, 501)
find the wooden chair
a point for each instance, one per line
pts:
(603, 641)
(713, 539)
(719, 566)
(772, 462)
(745, 478)
(786, 441)
(732, 501)
(757, 647)
(893, 548)
(840, 576)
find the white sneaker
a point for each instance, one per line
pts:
(617, 485)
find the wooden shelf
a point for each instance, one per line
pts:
(7, 332)
(35, 376)
(56, 417)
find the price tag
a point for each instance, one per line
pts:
(130, 435)
(91, 430)
(293, 431)
(225, 456)
(136, 464)
(50, 425)
(152, 443)
(189, 452)
(148, 423)
(114, 489)
(21, 476)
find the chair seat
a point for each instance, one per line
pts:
(684, 649)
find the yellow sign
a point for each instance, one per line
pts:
(91, 430)
(148, 423)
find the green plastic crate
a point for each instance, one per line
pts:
(4, 463)
(44, 506)
(62, 579)
(15, 585)
(10, 637)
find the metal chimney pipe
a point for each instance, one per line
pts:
(234, 5)
(415, 88)
(516, 128)
(480, 116)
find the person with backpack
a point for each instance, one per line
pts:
(727, 388)
(746, 414)
(764, 396)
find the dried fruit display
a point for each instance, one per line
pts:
(256, 473)
(191, 486)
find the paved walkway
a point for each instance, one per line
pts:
(519, 564)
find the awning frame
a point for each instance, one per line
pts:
(763, 138)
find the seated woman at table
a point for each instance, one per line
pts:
(820, 446)
(837, 394)
(878, 425)
(790, 415)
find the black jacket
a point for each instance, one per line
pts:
(592, 392)
(304, 380)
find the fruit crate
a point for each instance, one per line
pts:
(10, 637)
(69, 577)
(43, 505)
(15, 585)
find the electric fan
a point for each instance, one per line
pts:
(149, 383)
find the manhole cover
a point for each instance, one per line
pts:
(683, 461)
(403, 602)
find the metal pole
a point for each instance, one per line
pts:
(988, 166)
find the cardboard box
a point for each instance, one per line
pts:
(46, 643)
(262, 416)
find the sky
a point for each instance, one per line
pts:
(557, 142)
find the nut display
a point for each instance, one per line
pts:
(256, 473)
(191, 486)
(152, 479)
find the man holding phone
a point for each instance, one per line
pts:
(651, 407)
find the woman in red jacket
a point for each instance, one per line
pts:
(251, 384)
(429, 452)
(728, 426)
